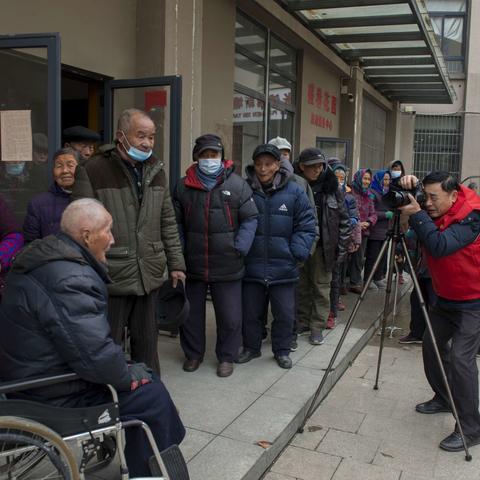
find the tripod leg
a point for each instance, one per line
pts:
(468, 457)
(351, 318)
(388, 291)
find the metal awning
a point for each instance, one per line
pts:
(392, 40)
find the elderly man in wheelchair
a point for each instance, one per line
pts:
(60, 367)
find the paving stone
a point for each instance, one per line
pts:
(277, 476)
(366, 404)
(306, 465)
(349, 445)
(224, 458)
(208, 409)
(414, 458)
(352, 470)
(344, 420)
(297, 385)
(265, 420)
(194, 441)
(310, 438)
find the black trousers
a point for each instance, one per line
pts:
(282, 300)
(417, 322)
(371, 253)
(138, 314)
(227, 302)
(153, 405)
(457, 333)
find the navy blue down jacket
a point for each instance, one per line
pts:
(285, 233)
(53, 320)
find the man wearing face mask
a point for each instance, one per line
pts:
(130, 181)
(217, 218)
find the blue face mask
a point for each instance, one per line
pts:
(396, 174)
(15, 169)
(210, 166)
(135, 153)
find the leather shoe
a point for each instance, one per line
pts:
(453, 443)
(284, 361)
(432, 406)
(247, 355)
(224, 369)
(190, 365)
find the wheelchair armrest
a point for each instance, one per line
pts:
(37, 382)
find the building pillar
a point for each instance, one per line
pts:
(471, 141)
(351, 110)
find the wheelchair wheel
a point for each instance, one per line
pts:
(31, 451)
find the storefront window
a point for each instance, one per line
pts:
(448, 22)
(265, 89)
(24, 152)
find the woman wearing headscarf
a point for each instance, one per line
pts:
(368, 217)
(378, 232)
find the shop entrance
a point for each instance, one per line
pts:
(39, 97)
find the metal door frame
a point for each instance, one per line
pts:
(175, 84)
(50, 41)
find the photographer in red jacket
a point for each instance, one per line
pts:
(448, 229)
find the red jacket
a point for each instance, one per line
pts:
(457, 276)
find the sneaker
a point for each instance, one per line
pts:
(294, 346)
(381, 284)
(303, 331)
(341, 306)
(316, 338)
(331, 321)
(409, 339)
(372, 286)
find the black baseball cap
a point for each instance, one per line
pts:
(266, 149)
(209, 141)
(311, 156)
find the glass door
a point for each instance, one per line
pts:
(29, 115)
(161, 98)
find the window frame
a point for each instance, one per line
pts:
(443, 14)
(269, 67)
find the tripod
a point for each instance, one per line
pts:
(394, 236)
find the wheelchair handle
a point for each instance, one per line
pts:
(37, 382)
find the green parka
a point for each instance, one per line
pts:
(145, 234)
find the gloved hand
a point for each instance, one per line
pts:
(140, 374)
(389, 214)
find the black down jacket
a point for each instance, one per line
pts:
(217, 227)
(54, 320)
(333, 220)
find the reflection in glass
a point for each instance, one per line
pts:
(25, 88)
(280, 124)
(250, 37)
(248, 129)
(281, 89)
(282, 56)
(249, 74)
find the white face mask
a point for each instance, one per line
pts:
(396, 174)
(210, 166)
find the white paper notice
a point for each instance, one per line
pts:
(16, 135)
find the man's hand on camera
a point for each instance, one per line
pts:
(408, 182)
(412, 207)
(140, 375)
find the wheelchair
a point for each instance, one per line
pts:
(39, 441)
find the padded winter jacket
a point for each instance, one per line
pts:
(285, 233)
(217, 226)
(44, 213)
(145, 232)
(54, 319)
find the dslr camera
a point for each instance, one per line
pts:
(398, 196)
